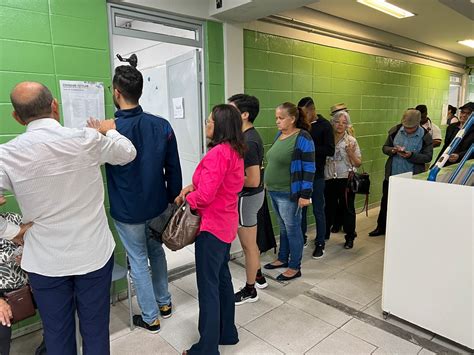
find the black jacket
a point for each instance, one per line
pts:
(323, 136)
(463, 146)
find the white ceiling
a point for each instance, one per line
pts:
(435, 23)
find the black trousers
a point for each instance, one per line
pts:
(5, 339)
(382, 219)
(216, 295)
(335, 195)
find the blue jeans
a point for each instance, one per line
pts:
(289, 218)
(151, 289)
(318, 210)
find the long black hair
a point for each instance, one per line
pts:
(227, 128)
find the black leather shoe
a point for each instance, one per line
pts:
(376, 232)
(349, 244)
(270, 266)
(282, 277)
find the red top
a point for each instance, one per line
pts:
(218, 179)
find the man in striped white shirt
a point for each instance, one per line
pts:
(54, 173)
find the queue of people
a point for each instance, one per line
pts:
(54, 173)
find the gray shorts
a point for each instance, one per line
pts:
(248, 209)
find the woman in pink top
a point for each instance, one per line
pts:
(218, 179)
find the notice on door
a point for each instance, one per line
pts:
(178, 107)
(81, 100)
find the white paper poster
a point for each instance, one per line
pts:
(178, 107)
(81, 100)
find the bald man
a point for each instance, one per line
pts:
(54, 173)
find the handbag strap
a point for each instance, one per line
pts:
(366, 203)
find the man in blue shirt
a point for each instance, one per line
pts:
(140, 191)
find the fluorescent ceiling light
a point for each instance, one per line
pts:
(467, 42)
(389, 9)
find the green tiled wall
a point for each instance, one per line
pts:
(376, 89)
(214, 64)
(48, 41)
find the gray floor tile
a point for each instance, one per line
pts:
(249, 344)
(450, 345)
(375, 310)
(368, 268)
(388, 342)
(314, 271)
(289, 290)
(353, 287)
(341, 342)
(247, 312)
(119, 321)
(320, 310)
(181, 330)
(187, 284)
(337, 297)
(289, 329)
(141, 342)
(425, 352)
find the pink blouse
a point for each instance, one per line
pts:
(218, 179)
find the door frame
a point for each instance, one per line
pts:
(139, 13)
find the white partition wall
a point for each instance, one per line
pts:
(429, 257)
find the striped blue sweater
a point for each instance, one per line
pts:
(302, 166)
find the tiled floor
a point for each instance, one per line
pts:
(288, 318)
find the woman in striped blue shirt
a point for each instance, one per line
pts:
(289, 179)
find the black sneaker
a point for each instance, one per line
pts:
(246, 295)
(166, 310)
(261, 282)
(305, 241)
(152, 328)
(318, 252)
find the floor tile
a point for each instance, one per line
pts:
(426, 352)
(249, 344)
(289, 290)
(181, 330)
(368, 268)
(450, 345)
(375, 310)
(390, 343)
(322, 311)
(247, 312)
(341, 342)
(187, 284)
(141, 342)
(337, 297)
(314, 271)
(289, 329)
(119, 321)
(356, 288)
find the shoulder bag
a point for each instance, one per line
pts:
(182, 228)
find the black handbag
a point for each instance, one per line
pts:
(158, 224)
(265, 236)
(359, 183)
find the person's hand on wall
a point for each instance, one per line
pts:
(453, 158)
(103, 126)
(5, 313)
(19, 238)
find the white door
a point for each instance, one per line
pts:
(185, 114)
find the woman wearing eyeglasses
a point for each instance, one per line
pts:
(346, 157)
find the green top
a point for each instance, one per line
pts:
(277, 173)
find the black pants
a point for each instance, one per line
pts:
(382, 219)
(335, 195)
(5, 339)
(216, 295)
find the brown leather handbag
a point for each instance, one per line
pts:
(182, 228)
(21, 303)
